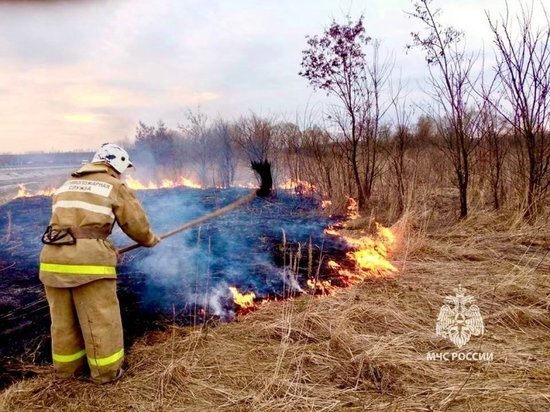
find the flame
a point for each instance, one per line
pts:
(244, 185)
(371, 254)
(369, 258)
(324, 287)
(333, 265)
(23, 192)
(331, 231)
(299, 186)
(385, 235)
(245, 301)
(130, 182)
(352, 209)
(180, 181)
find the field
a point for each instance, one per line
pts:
(395, 258)
(365, 347)
(32, 177)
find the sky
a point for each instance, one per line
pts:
(75, 74)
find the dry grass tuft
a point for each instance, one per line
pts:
(364, 348)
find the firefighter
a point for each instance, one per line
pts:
(78, 265)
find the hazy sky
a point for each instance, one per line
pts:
(75, 74)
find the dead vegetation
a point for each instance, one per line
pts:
(364, 348)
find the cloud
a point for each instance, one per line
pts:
(82, 71)
(79, 117)
(182, 97)
(49, 32)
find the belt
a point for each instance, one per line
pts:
(90, 232)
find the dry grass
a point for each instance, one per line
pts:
(364, 348)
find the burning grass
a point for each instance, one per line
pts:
(22, 191)
(166, 183)
(131, 182)
(361, 348)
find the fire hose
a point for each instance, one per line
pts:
(263, 169)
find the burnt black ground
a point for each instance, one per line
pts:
(176, 279)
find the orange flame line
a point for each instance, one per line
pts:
(23, 192)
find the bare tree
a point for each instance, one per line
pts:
(292, 149)
(494, 145)
(196, 131)
(255, 135)
(523, 68)
(143, 147)
(155, 148)
(452, 86)
(224, 152)
(399, 146)
(321, 157)
(378, 74)
(336, 62)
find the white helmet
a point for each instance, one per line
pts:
(114, 155)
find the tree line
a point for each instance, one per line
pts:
(484, 130)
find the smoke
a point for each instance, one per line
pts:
(243, 249)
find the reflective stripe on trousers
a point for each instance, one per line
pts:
(107, 360)
(69, 358)
(92, 361)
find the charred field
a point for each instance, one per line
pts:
(364, 347)
(269, 248)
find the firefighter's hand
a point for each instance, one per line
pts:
(156, 240)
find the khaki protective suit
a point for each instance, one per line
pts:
(80, 279)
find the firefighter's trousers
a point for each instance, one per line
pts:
(86, 327)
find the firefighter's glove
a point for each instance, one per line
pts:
(156, 240)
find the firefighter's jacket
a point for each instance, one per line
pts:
(94, 199)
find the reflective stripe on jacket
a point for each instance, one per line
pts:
(94, 197)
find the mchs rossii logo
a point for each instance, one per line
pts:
(459, 319)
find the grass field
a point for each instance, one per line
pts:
(363, 348)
